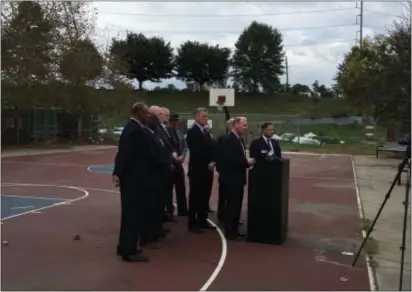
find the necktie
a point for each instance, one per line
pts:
(206, 133)
(243, 144)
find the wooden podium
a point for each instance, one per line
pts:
(268, 202)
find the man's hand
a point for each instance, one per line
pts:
(180, 159)
(211, 166)
(115, 181)
(174, 155)
(251, 161)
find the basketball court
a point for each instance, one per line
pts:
(60, 221)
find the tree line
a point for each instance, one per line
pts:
(50, 42)
(45, 42)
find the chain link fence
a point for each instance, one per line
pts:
(283, 123)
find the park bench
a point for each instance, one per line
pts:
(394, 147)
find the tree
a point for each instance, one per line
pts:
(27, 47)
(81, 62)
(202, 63)
(300, 88)
(144, 59)
(258, 58)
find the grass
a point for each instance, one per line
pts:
(266, 105)
(355, 141)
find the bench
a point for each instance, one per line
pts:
(391, 147)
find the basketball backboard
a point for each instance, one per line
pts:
(218, 95)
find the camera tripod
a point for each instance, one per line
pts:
(401, 167)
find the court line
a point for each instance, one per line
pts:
(86, 194)
(223, 254)
(373, 281)
(31, 197)
(46, 163)
(22, 207)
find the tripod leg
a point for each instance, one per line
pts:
(405, 224)
(388, 194)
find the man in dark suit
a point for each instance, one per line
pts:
(157, 172)
(221, 205)
(200, 172)
(170, 208)
(232, 176)
(129, 174)
(265, 144)
(163, 132)
(179, 173)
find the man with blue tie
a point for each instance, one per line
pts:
(265, 143)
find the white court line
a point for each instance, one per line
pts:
(22, 207)
(30, 197)
(223, 254)
(45, 163)
(86, 194)
(373, 283)
(89, 168)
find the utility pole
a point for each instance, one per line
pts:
(361, 24)
(360, 15)
(287, 74)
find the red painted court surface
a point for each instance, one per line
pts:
(42, 254)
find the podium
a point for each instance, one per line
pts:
(268, 202)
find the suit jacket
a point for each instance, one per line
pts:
(219, 154)
(202, 152)
(160, 160)
(259, 144)
(233, 161)
(167, 139)
(130, 160)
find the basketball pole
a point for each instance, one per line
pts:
(227, 116)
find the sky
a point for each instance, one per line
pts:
(316, 35)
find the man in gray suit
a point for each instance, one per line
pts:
(179, 174)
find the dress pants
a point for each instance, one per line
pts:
(221, 205)
(131, 218)
(199, 195)
(233, 208)
(180, 189)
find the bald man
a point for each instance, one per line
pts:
(232, 175)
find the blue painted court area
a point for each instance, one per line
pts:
(101, 168)
(14, 205)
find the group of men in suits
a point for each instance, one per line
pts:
(149, 164)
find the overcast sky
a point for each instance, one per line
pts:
(316, 34)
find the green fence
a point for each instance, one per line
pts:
(46, 125)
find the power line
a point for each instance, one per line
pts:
(380, 12)
(224, 15)
(226, 32)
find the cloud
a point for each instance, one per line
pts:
(315, 42)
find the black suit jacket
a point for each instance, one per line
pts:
(169, 143)
(259, 144)
(202, 152)
(218, 151)
(233, 162)
(160, 160)
(130, 160)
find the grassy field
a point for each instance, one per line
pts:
(272, 104)
(353, 136)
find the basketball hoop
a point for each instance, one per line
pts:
(221, 100)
